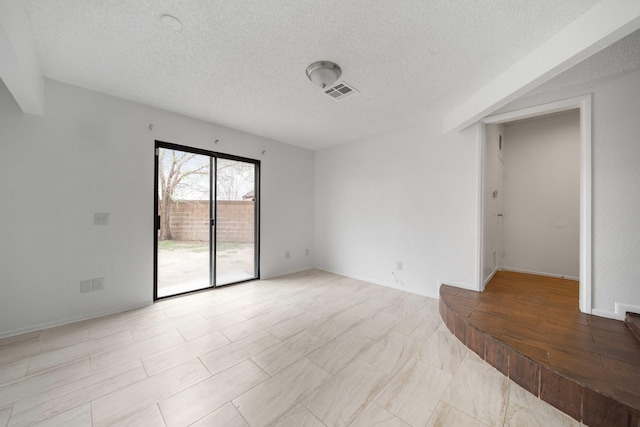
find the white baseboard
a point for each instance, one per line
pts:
(619, 313)
(540, 273)
(73, 319)
(622, 309)
(488, 279)
(456, 284)
(377, 282)
(285, 272)
(357, 277)
(605, 313)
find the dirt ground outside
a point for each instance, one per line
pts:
(184, 266)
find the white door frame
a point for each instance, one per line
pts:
(583, 103)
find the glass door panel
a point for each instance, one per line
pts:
(184, 222)
(235, 233)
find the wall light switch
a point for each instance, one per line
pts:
(101, 218)
(98, 284)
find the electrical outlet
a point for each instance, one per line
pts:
(287, 255)
(396, 279)
(399, 265)
(98, 284)
(306, 252)
(86, 286)
(101, 218)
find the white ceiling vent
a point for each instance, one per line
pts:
(340, 90)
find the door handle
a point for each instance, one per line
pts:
(500, 215)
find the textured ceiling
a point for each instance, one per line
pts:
(242, 63)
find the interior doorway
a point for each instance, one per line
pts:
(486, 220)
(207, 219)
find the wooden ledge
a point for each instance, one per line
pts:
(532, 331)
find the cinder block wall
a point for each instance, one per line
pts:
(235, 220)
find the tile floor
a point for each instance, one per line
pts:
(307, 349)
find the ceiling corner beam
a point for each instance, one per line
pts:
(603, 24)
(20, 67)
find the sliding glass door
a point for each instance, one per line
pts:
(235, 221)
(207, 217)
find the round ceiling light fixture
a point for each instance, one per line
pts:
(171, 21)
(324, 73)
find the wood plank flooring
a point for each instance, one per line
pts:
(530, 328)
(307, 349)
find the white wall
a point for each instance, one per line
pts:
(95, 153)
(406, 196)
(616, 185)
(411, 196)
(542, 195)
(492, 235)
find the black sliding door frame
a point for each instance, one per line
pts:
(213, 214)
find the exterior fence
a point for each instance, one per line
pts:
(235, 220)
